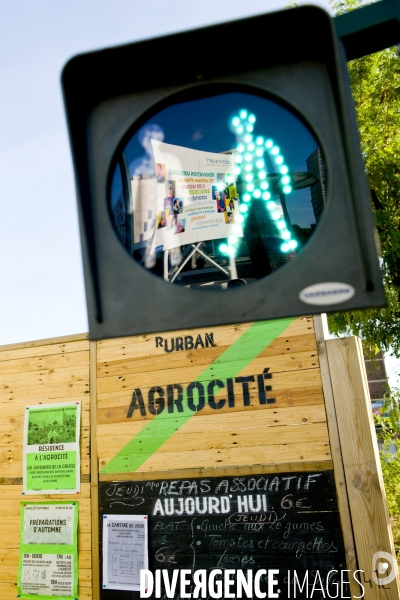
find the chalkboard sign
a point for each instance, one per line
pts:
(285, 521)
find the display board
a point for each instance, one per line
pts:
(286, 521)
(243, 394)
(272, 399)
(197, 200)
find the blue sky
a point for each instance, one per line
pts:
(41, 291)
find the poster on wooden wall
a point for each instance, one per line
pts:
(48, 562)
(51, 455)
(124, 551)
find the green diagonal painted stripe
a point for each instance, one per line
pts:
(257, 337)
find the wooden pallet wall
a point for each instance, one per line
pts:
(269, 397)
(290, 429)
(43, 372)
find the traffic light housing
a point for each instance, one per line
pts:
(292, 57)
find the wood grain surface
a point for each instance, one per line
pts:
(44, 372)
(365, 487)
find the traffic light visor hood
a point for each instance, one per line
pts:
(219, 186)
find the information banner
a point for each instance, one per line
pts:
(124, 551)
(48, 562)
(51, 456)
(197, 198)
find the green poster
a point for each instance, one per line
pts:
(48, 559)
(51, 449)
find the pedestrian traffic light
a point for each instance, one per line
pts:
(220, 177)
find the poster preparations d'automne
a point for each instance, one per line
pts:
(48, 562)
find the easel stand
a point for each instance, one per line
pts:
(231, 274)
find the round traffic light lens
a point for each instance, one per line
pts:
(233, 182)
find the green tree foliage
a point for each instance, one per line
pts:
(388, 431)
(391, 475)
(376, 92)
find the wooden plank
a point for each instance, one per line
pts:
(276, 417)
(114, 408)
(284, 398)
(144, 345)
(15, 408)
(226, 429)
(13, 453)
(21, 366)
(299, 326)
(18, 480)
(256, 455)
(289, 380)
(11, 508)
(321, 332)
(10, 424)
(307, 466)
(56, 391)
(277, 358)
(188, 373)
(315, 451)
(84, 541)
(15, 491)
(366, 492)
(12, 440)
(94, 486)
(44, 378)
(129, 347)
(126, 366)
(85, 577)
(44, 347)
(214, 438)
(296, 385)
(8, 443)
(11, 467)
(293, 414)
